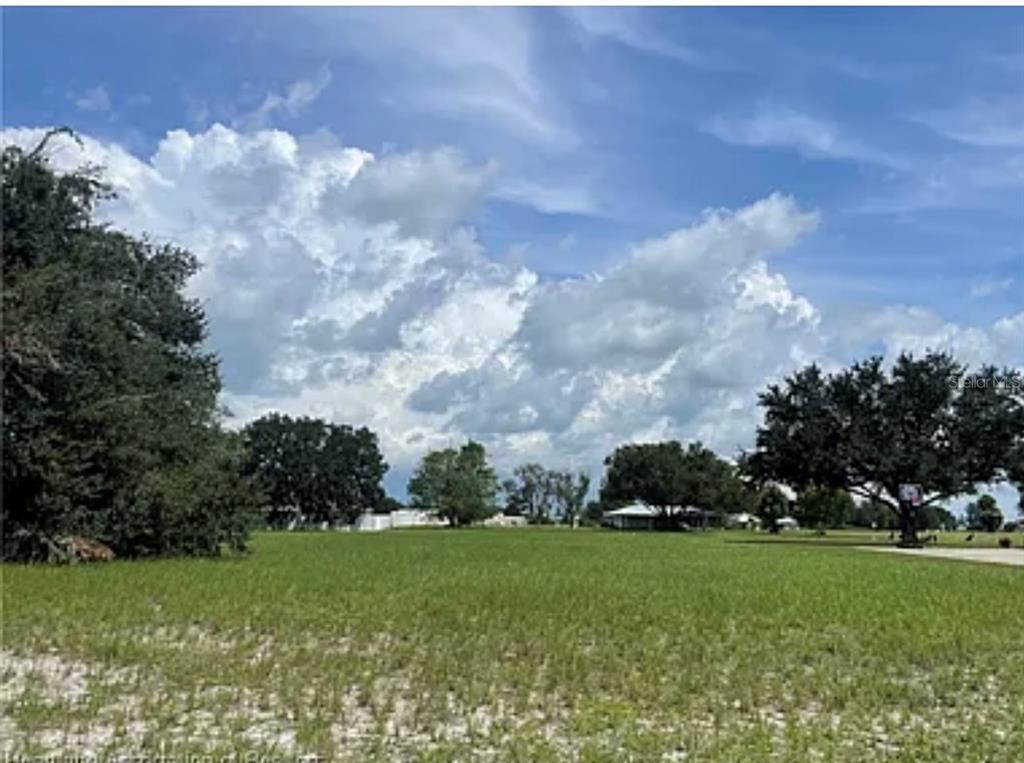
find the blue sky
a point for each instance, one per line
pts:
(625, 103)
(581, 133)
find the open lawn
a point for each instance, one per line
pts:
(525, 645)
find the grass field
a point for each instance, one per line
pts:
(522, 645)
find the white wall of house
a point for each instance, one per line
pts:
(373, 522)
(395, 520)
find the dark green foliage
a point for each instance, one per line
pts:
(543, 495)
(647, 472)
(823, 507)
(528, 493)
(935, 518)
(772, 505)
(984, 515)
(312, 470)
(868, 431)
(459, 485)
(874, 515)
(110, 424)
(1016, 475)
(389, 504)
(593, 514)
(665, 474)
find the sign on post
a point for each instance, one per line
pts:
(910, 494)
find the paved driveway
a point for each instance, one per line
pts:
(1013, 556)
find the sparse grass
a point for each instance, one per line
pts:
(524, 645)
(957, 539)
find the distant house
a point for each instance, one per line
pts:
(637, 516)
(787, 523)
(504, 520)
(640, 516)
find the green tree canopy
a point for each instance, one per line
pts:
(984, 514)
(313, 469)
(823, 507)
(457, 484)
(772, 505)
(1016, 475)
(543, 495)
(875, 515)
(935, 518)
(664, 474)
(868, 431)
(110, 400)
(529, 493)
(570, 491)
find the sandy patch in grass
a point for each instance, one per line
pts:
(131, 711)
(1012, 556)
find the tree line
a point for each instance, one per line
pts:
(461, 487)
(112, 430)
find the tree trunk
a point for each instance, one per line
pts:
(908, 527)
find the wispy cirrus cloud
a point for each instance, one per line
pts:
(476, 64)
(572, 199)
(92, 99)
(296, 98)
(771, 126)
(995, 121)
(627, 26)
(980, 289)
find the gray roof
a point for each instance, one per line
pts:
(643, 510)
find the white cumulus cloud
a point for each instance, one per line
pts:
(345, 285)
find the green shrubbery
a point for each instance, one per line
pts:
(110, 426)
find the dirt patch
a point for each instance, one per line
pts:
(1012, 556)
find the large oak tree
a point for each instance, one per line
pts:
(664, 475)
(869, 430)
(313, 469)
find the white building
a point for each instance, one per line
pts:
(640, 516)
(743, 521)
(395, 520)
(637, 516)
(787, 523)
(414, 518)
(505, 520)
